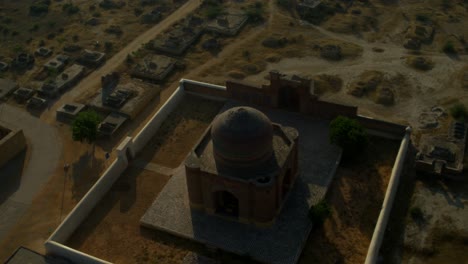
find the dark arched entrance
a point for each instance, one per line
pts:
(287, 182)
(226, 204)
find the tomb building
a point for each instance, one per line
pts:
(243, 167)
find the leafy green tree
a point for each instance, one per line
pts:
(85, 126)
(459, 112)
(348, 134)
(319, 212)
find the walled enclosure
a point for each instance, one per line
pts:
(12, 142)
(132, 146)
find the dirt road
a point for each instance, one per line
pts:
(93, 81)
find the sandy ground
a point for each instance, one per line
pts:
(112, 231)
(356, 196)
(180, 132)
(441, 236)
(51, 204)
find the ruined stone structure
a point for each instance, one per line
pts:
(443, 155)
(243, 167)
(91, 58)
(65, 80)
(154, 68)
(227, 24)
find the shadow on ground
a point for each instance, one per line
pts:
(11, 174)
(84, 173)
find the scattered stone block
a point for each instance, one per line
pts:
(23, 61)
(43, 52)
(23, 94)
(69, 111)
(331, 52)
(3, 66)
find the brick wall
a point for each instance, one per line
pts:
(199, 88)
(383, 126)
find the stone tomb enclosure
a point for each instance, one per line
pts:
(281, 243)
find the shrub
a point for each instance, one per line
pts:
(423, 18)
(349, 135)
(283, 3)
(449, 48)
(459, 112)
(213, 11)
(108, 45)
(129, 59)
(318, 14)
(39, 7)
(255, 12)
(70, 8)
(416, 213)
(319, 213)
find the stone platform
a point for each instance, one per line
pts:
(284, 241)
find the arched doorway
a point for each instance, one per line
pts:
(287, 182)
(226, 204)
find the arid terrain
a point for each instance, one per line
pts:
(358, 53)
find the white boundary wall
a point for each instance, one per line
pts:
(142, 138)
(54, 244)
(379, 231)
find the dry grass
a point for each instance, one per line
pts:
(180, 131)
(355, 196)
(252, 57)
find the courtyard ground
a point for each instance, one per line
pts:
(356, 196)
(112, 230)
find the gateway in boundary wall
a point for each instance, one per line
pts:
(268, 96)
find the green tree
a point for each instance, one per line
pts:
(348, 134)
(85, 126)
(459, 111)
(319, 212)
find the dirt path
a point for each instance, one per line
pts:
(93, 81)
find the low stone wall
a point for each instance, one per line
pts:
(57, 249)
(203, 88)
(382, 128)
(379, 231)
(11, 145)
(128, 148)
(328, 110)
(87, 203)
(142, 138)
